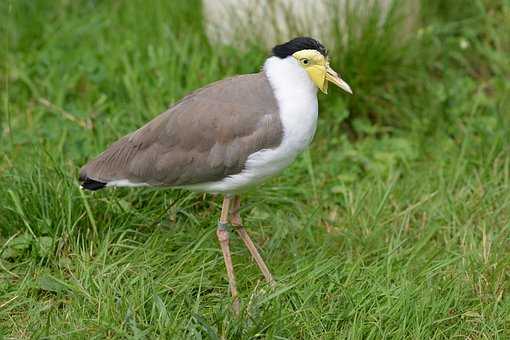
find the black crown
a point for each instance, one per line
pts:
(298, 44)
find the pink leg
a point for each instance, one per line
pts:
(243, 234)
(223, 238)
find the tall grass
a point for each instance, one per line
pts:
(394, 225)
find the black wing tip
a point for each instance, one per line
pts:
(90, 184)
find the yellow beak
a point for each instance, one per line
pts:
(322, 74)
(333, 77)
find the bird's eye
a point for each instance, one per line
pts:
(306, 61)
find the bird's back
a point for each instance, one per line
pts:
(206, 136)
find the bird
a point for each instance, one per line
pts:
(225, 138)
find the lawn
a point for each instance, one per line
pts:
(394, 224)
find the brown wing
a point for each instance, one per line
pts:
(206, 136)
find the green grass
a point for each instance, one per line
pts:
(396, 223)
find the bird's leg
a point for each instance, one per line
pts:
(222, 234)
(243, 234)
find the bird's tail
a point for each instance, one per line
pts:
(89, 183)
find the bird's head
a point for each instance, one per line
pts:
(312, 56)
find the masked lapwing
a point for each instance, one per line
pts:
(226, 137)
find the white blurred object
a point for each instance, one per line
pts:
(275, 21)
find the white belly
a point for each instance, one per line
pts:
(297, 101)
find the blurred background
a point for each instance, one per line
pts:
(395, 223)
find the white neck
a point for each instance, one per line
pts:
(296, 96)
(287, 77)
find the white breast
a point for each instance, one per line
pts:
(297, 101)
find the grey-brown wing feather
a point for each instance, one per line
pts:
(205, 137)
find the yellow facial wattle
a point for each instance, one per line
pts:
(317, 67)
(318, 75)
